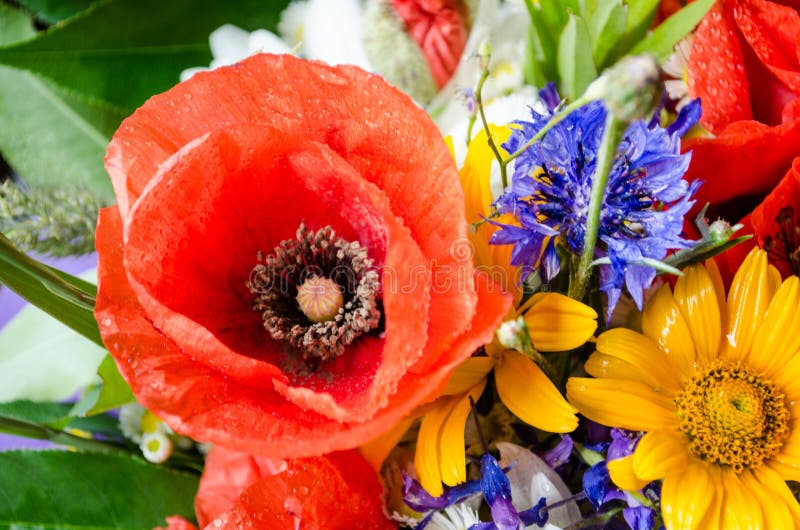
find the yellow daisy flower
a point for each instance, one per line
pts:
(715, 384)
(555, 323)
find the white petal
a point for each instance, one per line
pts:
(333, 32)
(228, 45)
(531, 479)
(263, 41)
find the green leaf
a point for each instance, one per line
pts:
(52, 11)
(662, 40)
(57, 415)
(46, 140)
(14, 25)
(73, 491)
(60, 295)
(112, 393)
(576, 68)
(540, 53)
(606, 26)
(640, 17)
(41, 359)
(124, 51)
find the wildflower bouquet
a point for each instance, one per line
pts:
(429, 264)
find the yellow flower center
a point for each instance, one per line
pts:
(732, 417)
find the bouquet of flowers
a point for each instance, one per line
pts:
(429, 264)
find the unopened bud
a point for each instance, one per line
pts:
(513, 334)
(630, 89)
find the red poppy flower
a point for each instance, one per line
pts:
(335, 492)
(750, 175)
(225, 185)
(745, 63)
(439, 27)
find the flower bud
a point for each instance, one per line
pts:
(630, 89)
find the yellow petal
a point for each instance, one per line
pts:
(777, 339)
(748, 300)
(686, 497)
(719, 290)
(559, 323)
(619, 403)
(621, 472)
(452, 463)
(641, 352)
(375, 451)
(779, 491)
(696, 297)
(663, 322)
(477, 171)
(773, 279)
(659, 453)
(776, 513)
(427, 456)
(531, 396)
(741, 509)
(468, 374)
(789, 454)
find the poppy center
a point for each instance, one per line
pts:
(732, 417)
(785, 245)
(320, 299)
(317, 293)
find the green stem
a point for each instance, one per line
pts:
(605, 159)
(42, 432)
(482, 113)
(555, 120)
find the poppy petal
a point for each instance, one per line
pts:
(337, 492)
(205, 404)
(721, 84)
(431, 208)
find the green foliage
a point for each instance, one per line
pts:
(71, 491)
(661, 41)
(93, 67)
(68, 299)
(52, 11)
(570, 41)
(124, 51)
(113, 392)
(57, 416)
(48, 220)
(575, 67)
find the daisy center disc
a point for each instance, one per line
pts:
(732, 417)
(317, 293)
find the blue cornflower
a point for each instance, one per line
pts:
(643, 208)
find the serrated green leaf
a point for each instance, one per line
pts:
(14, 25)
(661, 40)
(41, 359)
(45, 139)
(52, 11)
(113, 392)
(576, 68)
(54, 293)
(124, 51)
(606, 26)
(73, 491)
